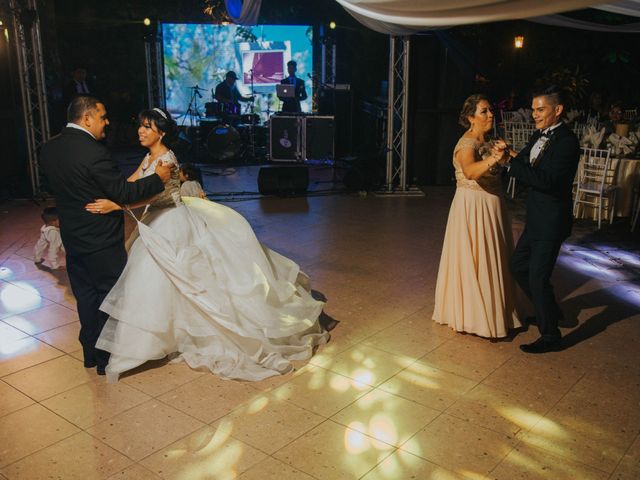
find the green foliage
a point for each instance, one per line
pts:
(574, 81)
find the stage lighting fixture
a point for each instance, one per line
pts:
(147, 21)
(518, 42)
(332, 25)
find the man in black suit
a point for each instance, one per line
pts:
(292, 105)
(547, 165)
(80, 169)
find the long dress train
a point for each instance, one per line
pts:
(200, 286)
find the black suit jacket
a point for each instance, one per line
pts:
(550, 181)
(293, 104)
(79, 170)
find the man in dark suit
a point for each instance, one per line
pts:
(547, 165)
(292, 105)
(79, 170)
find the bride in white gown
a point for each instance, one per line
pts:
(199, 286)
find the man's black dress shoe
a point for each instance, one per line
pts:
(100, 370)
(542, 346)
(89, 363)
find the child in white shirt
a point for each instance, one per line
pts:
(191, 181)
(49, 239)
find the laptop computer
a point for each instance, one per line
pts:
(286, 91)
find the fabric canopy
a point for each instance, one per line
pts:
(626, 7)
(404, 17)
(562, 21)
(243, 12)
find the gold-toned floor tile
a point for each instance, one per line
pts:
(409, 338)
(272, 469)
(629, 466)
(558, 439)
(29, 430)
(25, 353)
(156, 378)
(135, 472)
(144, 429)
(207, 453)
(404, 465)
(460, 446)
(43, 319)
(79, 457)
(268, 423)
(209, 397)
(366, 364)
(529, 463)
(496, 410)
(535, 378)
(19, 298)
(59, 294)
(50, 378)
(9, 334)
(321, 391)
(386, 417)
(334, 452)
(428, 385)
(11, 399)
(94, 402)
(471, 358)
(63, 338)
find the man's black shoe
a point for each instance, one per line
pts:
(100, 370)
(89, 363)
(542, 346)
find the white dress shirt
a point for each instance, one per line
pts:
(544, 138)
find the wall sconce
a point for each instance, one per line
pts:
(518, 41)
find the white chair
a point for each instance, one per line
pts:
(630, 114)
(518, 135)
(596, 183)
(509, 116)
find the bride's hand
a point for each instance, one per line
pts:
(102, 206)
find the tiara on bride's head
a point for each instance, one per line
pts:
(162, 114)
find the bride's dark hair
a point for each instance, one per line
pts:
(163, 122)
(469, 108)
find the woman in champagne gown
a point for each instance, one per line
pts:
(474, 291)
(199, 287)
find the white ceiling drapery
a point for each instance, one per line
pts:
(243, 12)
(625, 7)
(404, 17)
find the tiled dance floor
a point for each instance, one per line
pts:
(392, 396)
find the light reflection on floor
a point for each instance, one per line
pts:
(357, 411)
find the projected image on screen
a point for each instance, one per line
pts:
(201, 54)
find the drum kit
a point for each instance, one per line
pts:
(224, 134)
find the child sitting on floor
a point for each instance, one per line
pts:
(191, 181)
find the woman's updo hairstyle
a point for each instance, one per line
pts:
(163, 122)
(469, 109)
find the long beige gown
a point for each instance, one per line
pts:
(475, 292)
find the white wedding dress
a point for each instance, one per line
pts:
(199, 287)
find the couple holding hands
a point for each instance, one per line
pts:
(475, 290)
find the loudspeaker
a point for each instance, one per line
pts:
(318, 138)
(283, 181)
(284, 135)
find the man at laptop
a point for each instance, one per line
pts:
(292, 104)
